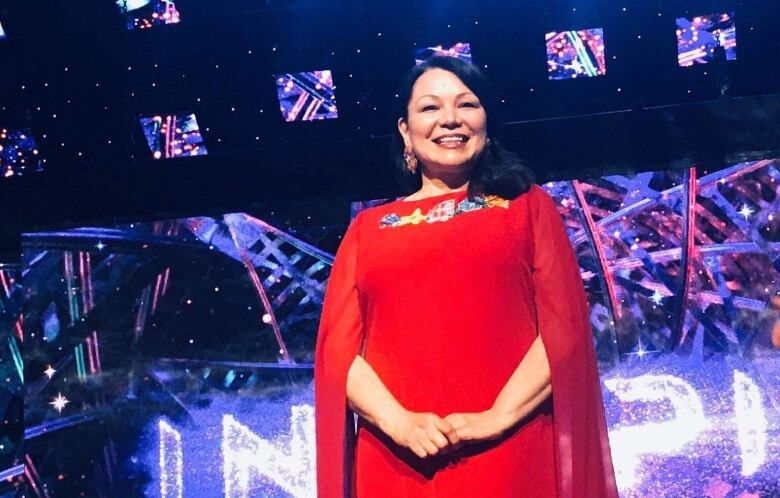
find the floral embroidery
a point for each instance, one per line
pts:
(443, 211)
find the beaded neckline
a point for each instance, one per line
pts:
(444, 210)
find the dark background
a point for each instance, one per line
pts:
(77, 60)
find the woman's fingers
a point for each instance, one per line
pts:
(448, 430)
(465, 426)
(418, 449)
(433, 434)
(429, 447)
(437, 438)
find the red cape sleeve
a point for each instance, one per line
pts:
(339, 339)
(584, 463)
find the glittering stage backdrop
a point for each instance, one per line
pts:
(173, 359)
(679, 268)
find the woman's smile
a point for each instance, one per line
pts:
(451, 141)
(446, 124)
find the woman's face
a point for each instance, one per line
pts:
(446, 127)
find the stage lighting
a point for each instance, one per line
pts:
(173, 135)
(306, 96)
(699, 37)
(575, 54)
(2, 31)
(459, 50)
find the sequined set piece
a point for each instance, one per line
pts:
(443, 211)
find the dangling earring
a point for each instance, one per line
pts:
(411, 161)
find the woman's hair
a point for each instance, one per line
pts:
(498, 171)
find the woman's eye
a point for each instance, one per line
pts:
(429, 107)
(469, 104)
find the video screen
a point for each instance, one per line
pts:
(306, 96)
(697, 38)
(575, 54)
(145, 14)
(173, 135)
(19, 154)
(174, 358)
(459, 50)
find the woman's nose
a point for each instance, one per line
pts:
(449, 117)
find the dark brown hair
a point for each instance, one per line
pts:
(498, 171)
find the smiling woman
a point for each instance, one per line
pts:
(449, 121)
(445, 127)
(455, 325)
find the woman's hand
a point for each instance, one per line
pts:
(479, 426)
(426, 434)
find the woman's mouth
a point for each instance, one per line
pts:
(451, 141)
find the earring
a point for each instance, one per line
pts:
(411, 161)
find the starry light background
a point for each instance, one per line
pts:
(129, 340)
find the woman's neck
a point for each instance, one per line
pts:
(431, 190)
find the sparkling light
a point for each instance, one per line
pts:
(630, 442)
(657, 297)
(171, 462)
(751, 423)
(49, 372)
(59, 402)
(100, 246)
(745, 211)
(292, 469)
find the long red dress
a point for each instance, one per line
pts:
(443, 296)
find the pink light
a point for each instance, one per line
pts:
(97, 350)
(157, 293)
(86, 281)
(260, 291)
(5, 283)
(33, 478)
(88, 340)
(166, 276)
(169, 135)
(599, 248)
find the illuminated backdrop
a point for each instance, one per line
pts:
(174, 358)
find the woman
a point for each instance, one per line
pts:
(455, 325)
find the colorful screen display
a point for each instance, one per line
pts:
(697, 38)
(19, 154)
(145, 14)
(575, 54)
(173, 135)
(307, 96)
(460, 50)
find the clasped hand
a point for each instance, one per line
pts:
(427, 434)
